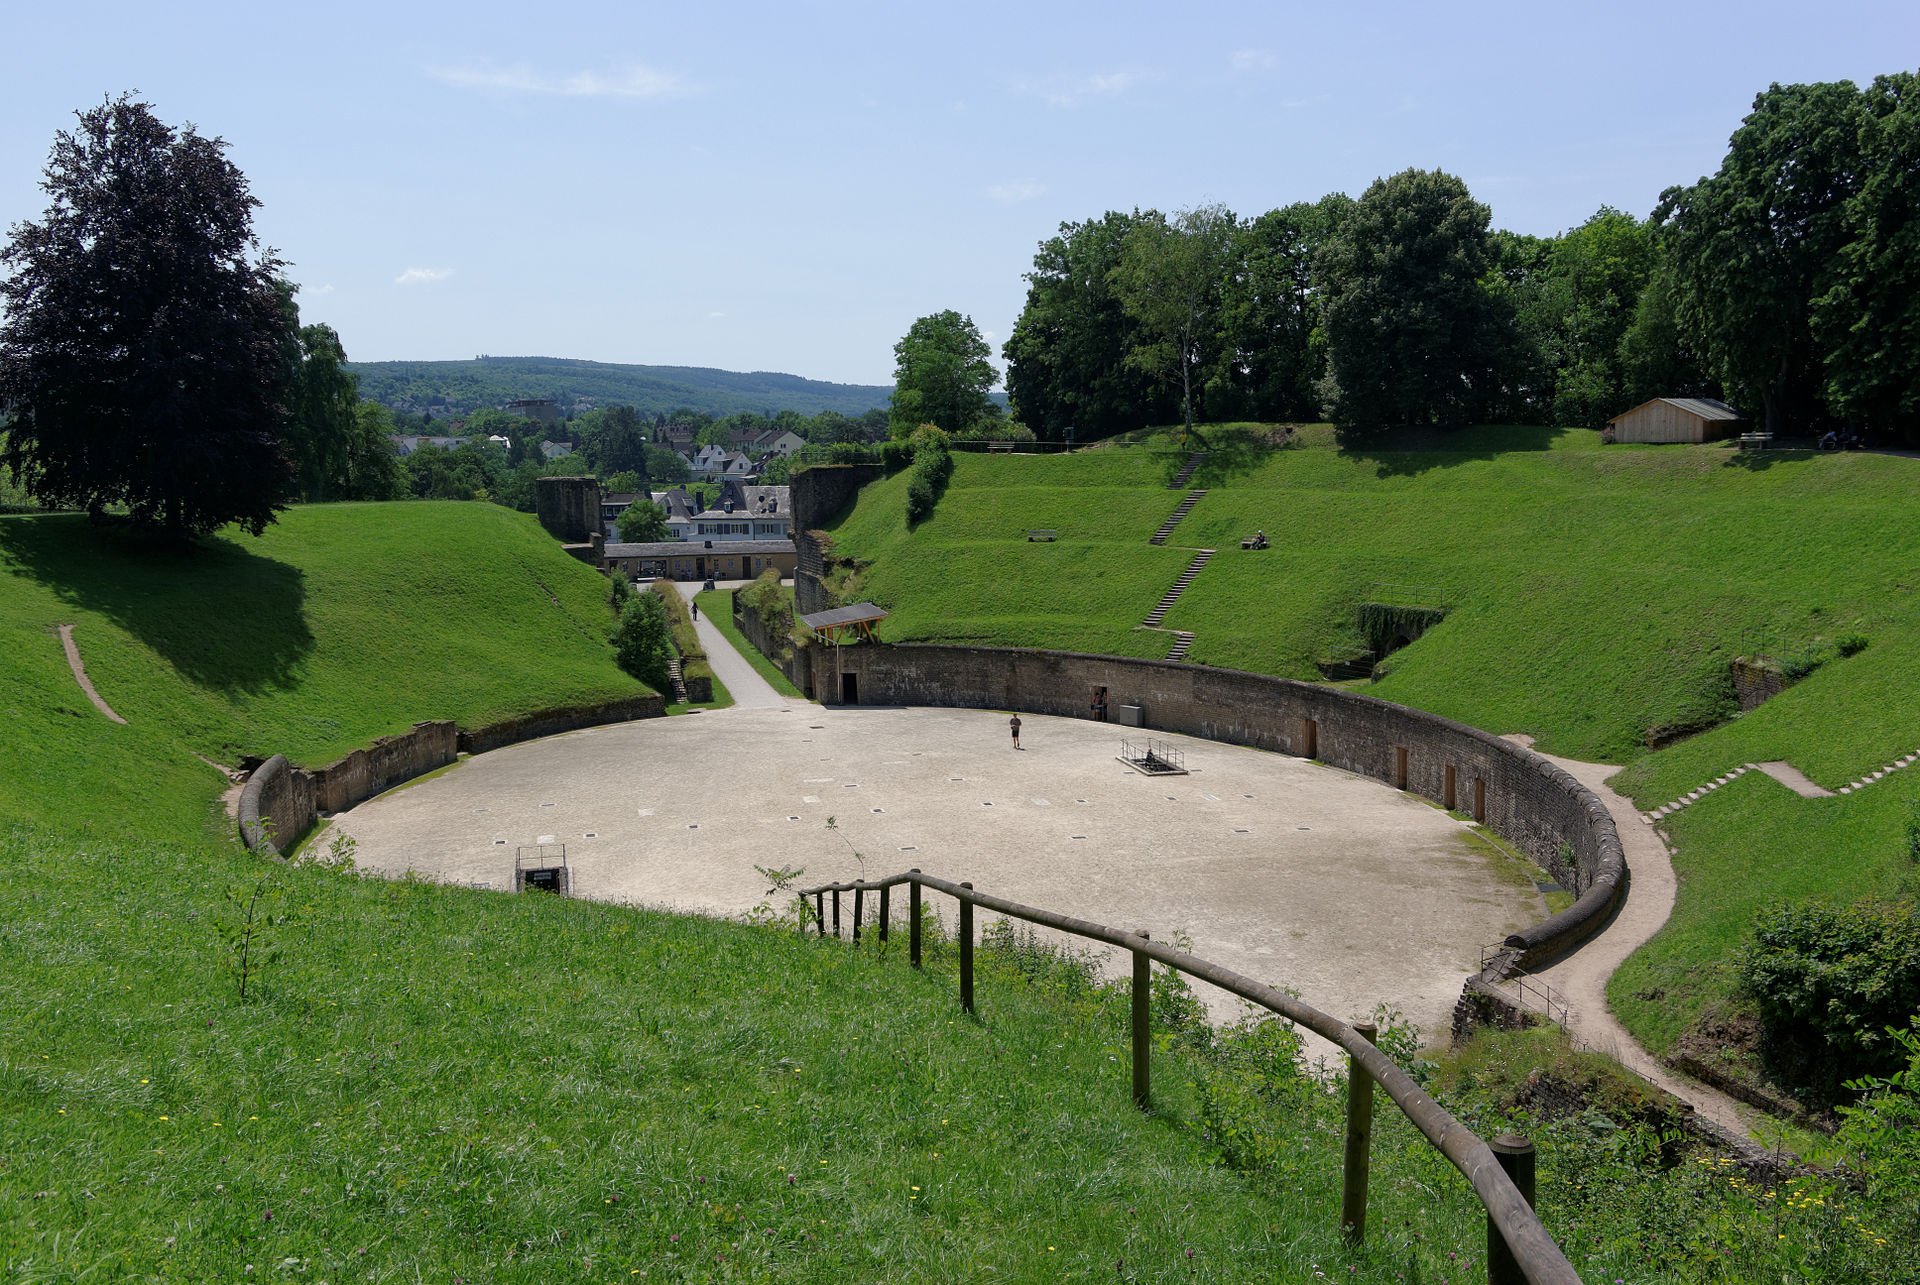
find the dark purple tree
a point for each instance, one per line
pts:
(144, 352)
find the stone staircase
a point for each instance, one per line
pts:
(1185, 507)
(679, 683)
(1182, 644)
(1159, 613)
(1185, 475)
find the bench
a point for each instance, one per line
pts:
(1000, 447)
(1755, 441)
(1254, 542)
(1044, 535)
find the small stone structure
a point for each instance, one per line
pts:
(1756, 680)
(569, 508)
(820, 492)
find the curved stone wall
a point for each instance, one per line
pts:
(289, 799)
(1511, 790)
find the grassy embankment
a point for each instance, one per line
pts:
(1594, 593)
(693, 657)
(440, 1082)
(341, 624)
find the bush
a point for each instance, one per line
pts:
(642, 641)
(1829, 980)
(932, 467)
(693, 657)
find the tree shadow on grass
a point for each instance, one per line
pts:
(1409, 452)
(1761, 461)
(227, 619)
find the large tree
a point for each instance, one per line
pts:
(143, 356)
(1751, 247)
(1067, 368)
(1414, 336)
(941, 375)
(1170, 280)
(614, 441)
(1867, 321)
(340, 450)
(1272, 352)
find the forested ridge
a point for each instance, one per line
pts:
(454, 387)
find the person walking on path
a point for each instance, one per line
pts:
(1014, 723)
(696, 608)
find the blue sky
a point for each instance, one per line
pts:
(787, 186)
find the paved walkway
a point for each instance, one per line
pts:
(1794, 779)
(743, 682)
(1582, 977)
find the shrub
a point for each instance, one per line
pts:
(642, 641)
(932, 466)
(1829, 980)
(693, 657)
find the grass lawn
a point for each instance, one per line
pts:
(717, 605)
(1593, 593)
(425, 1082)
(341, 624)
(470, 1085)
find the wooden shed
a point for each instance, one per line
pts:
(1676, 419)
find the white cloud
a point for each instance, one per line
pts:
(1070, 91)
(716, 314)
(1018, 190)
(422, 276)
(636, 81)
(1253, 60)
(317, 290)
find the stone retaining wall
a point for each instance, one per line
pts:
(1509, 789)
(289, 799)
(551, 722)
(796, 667)
(820, 492)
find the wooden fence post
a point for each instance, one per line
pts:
(913, 919)
(1142, 1025)
(966, 951)
(1353, 1186)
(1516, 1156)
(836, 914)
(820, 912)
(883, 914)
(859, 903)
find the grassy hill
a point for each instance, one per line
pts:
(342, 623)
(437, 1082)
(1593, 594)
(493, 381)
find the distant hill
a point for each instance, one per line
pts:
(460, 386)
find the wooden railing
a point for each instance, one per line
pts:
(1501, 1174)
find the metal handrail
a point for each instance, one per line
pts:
(1508, 1211)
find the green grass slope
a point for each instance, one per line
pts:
(341, 624)
(440, 1084)
(1593, 593)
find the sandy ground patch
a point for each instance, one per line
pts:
(1296, 874)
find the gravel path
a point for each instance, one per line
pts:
(1582, 976)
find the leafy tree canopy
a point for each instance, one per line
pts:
(1413, 335)
(941, 375)
(145, 353)
(643, 522)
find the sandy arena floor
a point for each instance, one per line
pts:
(1295, 874)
